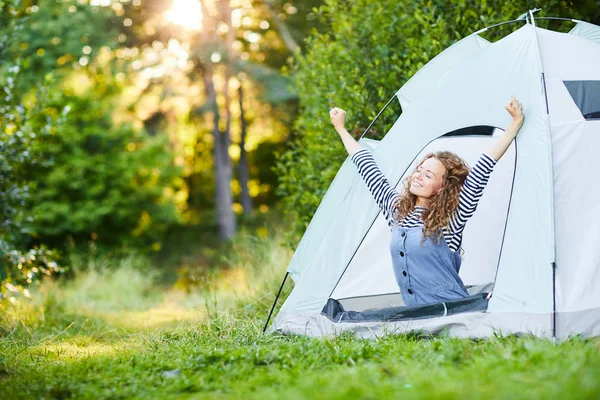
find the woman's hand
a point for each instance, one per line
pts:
(515, 109)
(338, 118)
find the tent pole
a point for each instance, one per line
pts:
(525, 19)
(275, 302)
(377, 117)
(498, 24)
(554, 302)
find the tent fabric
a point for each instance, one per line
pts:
(577, 210)
(464, 325)
(330, 229)
(578, 258)
(463, 49)
(587, 31)
(546, 266)
(585, 323)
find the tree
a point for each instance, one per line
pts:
(229, 58)
(58, 145)
(108, 181)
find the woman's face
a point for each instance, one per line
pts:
(428, 179)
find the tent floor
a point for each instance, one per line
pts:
(336, 313)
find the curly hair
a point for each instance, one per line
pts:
(441, 205)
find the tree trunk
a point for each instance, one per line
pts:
(221, 140)
(226, 9)
(282, 28)
(243, 170)
(223, 169)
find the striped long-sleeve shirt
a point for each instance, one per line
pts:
(386, 196)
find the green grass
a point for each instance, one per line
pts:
(119, 333)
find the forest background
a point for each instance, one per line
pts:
(162, 128)
(162, 156)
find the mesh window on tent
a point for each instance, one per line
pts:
(586, 95)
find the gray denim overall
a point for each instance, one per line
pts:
(425, 273)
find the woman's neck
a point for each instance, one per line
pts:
(422, 202)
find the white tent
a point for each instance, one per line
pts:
(534, 237)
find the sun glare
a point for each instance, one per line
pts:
(186, 13)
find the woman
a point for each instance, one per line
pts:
(428, 217)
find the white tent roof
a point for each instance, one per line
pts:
(587, 31)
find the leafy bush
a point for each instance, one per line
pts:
(108, 183)
(24, 269)
(20, 265)
(66, 169)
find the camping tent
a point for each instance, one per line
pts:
(534, 240)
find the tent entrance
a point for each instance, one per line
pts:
(368, 283)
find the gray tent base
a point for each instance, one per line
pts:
(336, 313)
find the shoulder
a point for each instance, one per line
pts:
(486, 162)
(361, 154)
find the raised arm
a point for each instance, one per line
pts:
(515, 109)
(479, 175)
(338, 118)
(383, 193)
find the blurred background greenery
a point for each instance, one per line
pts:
(161, 129)
(145, 127)
(159, 162)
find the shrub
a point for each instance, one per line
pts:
(108, 183)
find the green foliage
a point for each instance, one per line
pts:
(19, 153)
(35, 41)
(45, 38)
(108, 181)
(23, 269)
(370, 51)
(20, 265)
(66, 169)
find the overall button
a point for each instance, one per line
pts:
(403, 234)
(409, 291)
(401, 254)
(404, 273)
